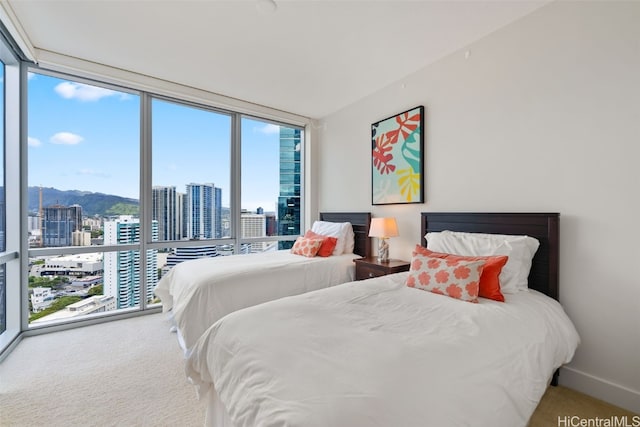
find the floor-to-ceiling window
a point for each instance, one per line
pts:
(83, 192)
(10, 297)
(123, 184)
(191, 181)
(3, 225)
(271, 183)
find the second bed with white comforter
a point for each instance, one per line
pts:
(199, 292)
(379, 353)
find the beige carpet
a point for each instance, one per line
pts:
(123, 373)
(130, 373)
(566, 404)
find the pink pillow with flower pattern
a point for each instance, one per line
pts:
(306, 246)
(328, 243)
(455, 278)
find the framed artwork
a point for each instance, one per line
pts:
(397, 145)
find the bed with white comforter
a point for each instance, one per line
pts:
(199, 292)
(379, 353)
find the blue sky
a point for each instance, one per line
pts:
(87, 138)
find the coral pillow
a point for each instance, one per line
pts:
(328, 243)
(519, 249)
(343, 231)
(490, 278)
(306, 247)
(455, 278)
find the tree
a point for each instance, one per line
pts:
(47, 281)
(95, 290)
(58, 304)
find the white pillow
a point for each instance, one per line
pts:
(350, 240)
(519, 249)
(343, 231)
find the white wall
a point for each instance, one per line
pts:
(543, 115)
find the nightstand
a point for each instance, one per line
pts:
(366, 268)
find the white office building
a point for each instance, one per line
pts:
(254, 225)
(122, 269)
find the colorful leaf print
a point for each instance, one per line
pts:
(409, 183)
(406, 125)
(382, 155)
(396, 155)
(411, 150)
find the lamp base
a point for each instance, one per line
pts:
(383, 250)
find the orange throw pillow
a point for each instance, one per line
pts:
(328, 243)
(489, 279)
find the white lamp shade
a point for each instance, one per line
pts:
(383, 227)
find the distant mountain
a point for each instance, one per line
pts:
(92, 203)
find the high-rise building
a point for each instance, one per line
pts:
(81, 238)
(76, 265)
(289, 197)
(254, 225)
(59, 223)
(165, 210)
(203, 211)
(217, 200)
(180, 228)
(272, 224)
(226, 222)
(122, 278)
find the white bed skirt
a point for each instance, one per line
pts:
(216, 413)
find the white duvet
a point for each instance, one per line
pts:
(201, 291)
(377, 353)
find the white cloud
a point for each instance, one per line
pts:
(82, 92)
(270, 129)
(66, 138)
(34, 142)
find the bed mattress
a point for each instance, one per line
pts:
(199, 292)
(378, 353)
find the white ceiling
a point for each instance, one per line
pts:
(307, 57)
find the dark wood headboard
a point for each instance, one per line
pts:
(360, 221)
(543, 276)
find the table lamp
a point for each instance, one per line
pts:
(383, 228)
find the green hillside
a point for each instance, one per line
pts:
(92, 203)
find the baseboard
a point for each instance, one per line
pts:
(9, 348)
(599, 388)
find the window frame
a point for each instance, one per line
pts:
(146, 96)
(10, 257)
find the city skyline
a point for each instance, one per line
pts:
(86, 138)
